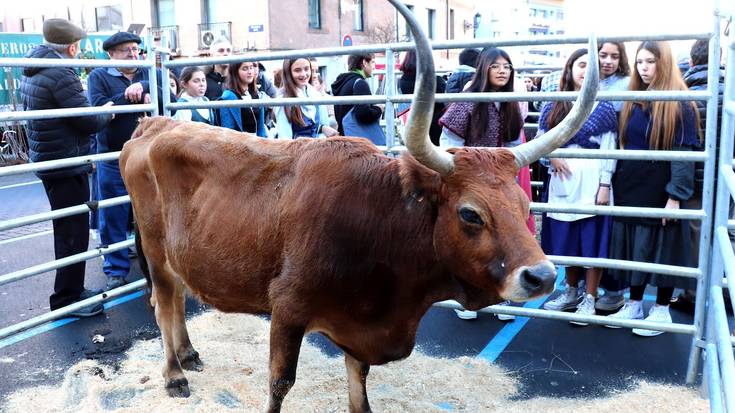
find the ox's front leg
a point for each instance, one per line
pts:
(285, 346)
(357, 372)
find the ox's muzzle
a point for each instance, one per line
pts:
(538, 279)
(529, 282)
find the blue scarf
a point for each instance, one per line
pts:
(603, 119)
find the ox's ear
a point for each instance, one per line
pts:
(418, 181)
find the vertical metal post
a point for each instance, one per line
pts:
(705, 236)
(390, 81)
(152, 77)
(165, 86)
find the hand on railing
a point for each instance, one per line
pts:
(134, 92)
(110, 103)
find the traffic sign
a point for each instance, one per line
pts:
(347, 40)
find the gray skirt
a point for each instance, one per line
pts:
(657, 244)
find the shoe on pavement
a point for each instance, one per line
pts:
(505, 317)
(632, 310)
(90, 310)
(466, 314)
(114, 282)
(567, 300)
(611, 301)
(659, 314)
(586, 307)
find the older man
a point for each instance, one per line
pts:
(216, 74)
(123, 86)
(58, 138)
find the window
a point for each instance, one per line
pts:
(559, 15)
(27, 25)
(108, 18)
(359, 24)
(164, 13)
(315, 18)
(451, 23)
(431, 21)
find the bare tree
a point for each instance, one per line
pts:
(381, 33)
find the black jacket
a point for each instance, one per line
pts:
(407, 84)
(57, 138)
(343, 86)
(696, 79)
(214, 85)
(457, 81)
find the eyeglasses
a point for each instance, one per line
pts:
(224, 49)
(496, 67)
(133, 49)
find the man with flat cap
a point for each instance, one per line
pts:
(123, 86)
(58, 138)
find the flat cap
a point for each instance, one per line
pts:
(120, 38)
(61, 31)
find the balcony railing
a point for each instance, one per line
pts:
(171, 33)
(209, 32)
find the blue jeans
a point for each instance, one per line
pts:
(114, 221)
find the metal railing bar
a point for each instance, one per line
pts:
(713, 379)
(565, 316)
(58, 163)
(446, 98)
(61, 213)
(28, 62)
(665, 269)
(63, 262)
(724, 346)
(619, 211)
(439, 45)
(73, 112)
(56, 314)
(728, 176)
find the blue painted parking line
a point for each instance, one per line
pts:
(502, 339)
(62, 322)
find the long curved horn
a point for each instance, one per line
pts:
(422, 105)
(561, 133)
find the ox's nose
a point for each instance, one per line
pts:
(539, 279)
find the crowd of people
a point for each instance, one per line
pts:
(659, 125)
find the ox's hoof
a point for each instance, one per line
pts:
(178, 388)
(192, 362)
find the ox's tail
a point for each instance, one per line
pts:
(144, 267)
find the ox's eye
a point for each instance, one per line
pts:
(469, 216)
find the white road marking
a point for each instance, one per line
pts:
(8, 241)
(20, 184)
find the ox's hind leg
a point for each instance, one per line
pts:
(167, 317)
(188, 357)
(357, 372)
(285, 344)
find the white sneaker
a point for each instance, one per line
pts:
(611, 301)
(586, 307)
(505, 317)
(567, 300)
(657, 313)
(466, 314)
(632, 310)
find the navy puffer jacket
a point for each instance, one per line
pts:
(57, 138)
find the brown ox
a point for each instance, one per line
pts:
(330, 235)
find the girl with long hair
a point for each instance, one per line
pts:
(488, 124)
(659, 125)
(579, 182)
(302, 120)
(240, 84)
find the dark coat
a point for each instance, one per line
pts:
(57, 138)
(347, 85)
(457, 81)
(214, 85)
(696, 79)
(407, 84)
